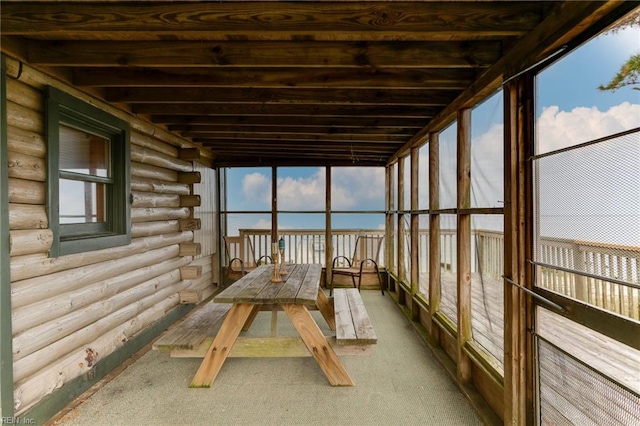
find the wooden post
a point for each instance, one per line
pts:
(415, 229)
(518, 361)
(328, 242)
(274, 205)
(434, 232)
(6, 348)
(401, 228)
(389, 191)
(463, 243)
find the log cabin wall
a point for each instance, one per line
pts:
(71, 312)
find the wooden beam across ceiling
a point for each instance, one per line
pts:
(271, 20)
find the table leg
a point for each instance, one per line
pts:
(252, 316)
(317, 345)
(325, 306)
(221, 346)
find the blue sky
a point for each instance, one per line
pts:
(570, 110)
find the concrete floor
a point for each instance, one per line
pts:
(398, 383)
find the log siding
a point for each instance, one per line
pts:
(73, 311)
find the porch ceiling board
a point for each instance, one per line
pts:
(291, 83)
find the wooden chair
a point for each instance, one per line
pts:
(241, 258)
(364, 261)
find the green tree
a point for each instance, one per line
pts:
(629, 73)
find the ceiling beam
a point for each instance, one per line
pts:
(184, 54)
(292, 120)
(364, 78)
(290, 130)
(417, 97)
(327, 110)
(444, 20)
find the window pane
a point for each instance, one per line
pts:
(82, 202)
(448, 172)
(487, 149)
(423, 177)
(301, 188)
(448, 267)
(249, 189)
(357, 188)
(83, 152)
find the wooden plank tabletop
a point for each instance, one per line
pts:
(299, 286)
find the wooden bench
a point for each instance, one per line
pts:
(353, 326)
(194, 328)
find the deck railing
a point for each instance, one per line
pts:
(620, 263)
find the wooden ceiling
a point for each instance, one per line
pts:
(293, 83)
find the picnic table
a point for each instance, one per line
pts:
(295, 295)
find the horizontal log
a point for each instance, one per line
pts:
(148, 171)
(190, 200)
(36, 270)
(155, 158)
(24, 118)
(150, 199)
(26, 142)
(190, 272)
(153, 172)
(150, 265)
(153, 143)
(30, 241)
(146, 229)
(55, 334)
(197, 294)
(34, 290)
(189, 154)
(24, 95)
(26, 191)
(189, 177)
(24, 166)
(32, 389)
(151, 214)
(191, 224)
(159, 186)
(26, 216)
(190, 249)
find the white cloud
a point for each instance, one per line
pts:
(560, 129)
(257, 188)
(302, 193)
(357, 187)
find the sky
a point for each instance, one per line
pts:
(570, 110)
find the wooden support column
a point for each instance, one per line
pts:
(328, 242)
(389, 206)
(274, 205)
(402, 274)
(434, 232)
(463, 243)
(6, 338)
(415, 229)
(518, 359)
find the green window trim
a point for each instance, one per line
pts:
(62, 108)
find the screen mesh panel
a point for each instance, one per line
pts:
(423, 255)
(448, 267)
(588, 222)
(487, 287)
(573, 394)
(585, 376)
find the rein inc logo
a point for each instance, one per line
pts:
(17, 421)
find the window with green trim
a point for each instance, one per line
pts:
(88, 176)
